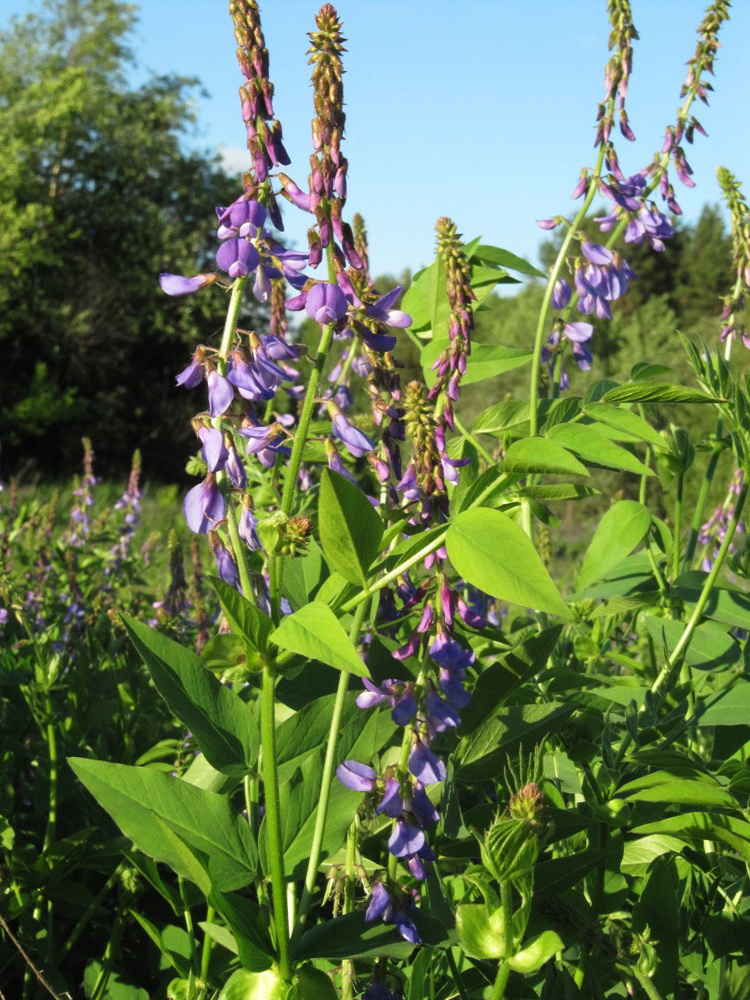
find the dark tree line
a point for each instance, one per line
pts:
(97, 196)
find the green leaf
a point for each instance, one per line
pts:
(312, 984)
(585, 440)
(143, 802)
(504, 258)
(497, 681)
(645, 370)
(481, 756)
(248, 925)
(710, 647)
(658, 911)
(480, 930)
(501, 417)
(638, 855)
(536, 952)
(682, 792)
(723, 605)
(731, 708)
(622, 528)
(490, 490)
(350, 937)
(558, 491)
(245, 618)
(315, 632)
(422, 296)
(695, 827)
(225, 727)
(656, 392)
(492, 553)
(624, 420)
(244, 985)
(557, 875)
(540, 455)
(303, 574)
(350, 530)
(485, 361)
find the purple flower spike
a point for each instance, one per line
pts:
(391, 803)
(326, 303)
(204, 506)
(176, 284)
(358, 777)
(405, 839)
(426, 765)
(380, 904)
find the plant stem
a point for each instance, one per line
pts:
(88, 914)
(394, 574)
(188, 917)
(541, 328)
(473, 441)
(325, 784)
(703, 496)
(273, 819)
(646, 984)
(207, 945)
(230, 322)
(677, 548)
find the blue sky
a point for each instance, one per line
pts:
(483, 110)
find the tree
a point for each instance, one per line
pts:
(97, 196)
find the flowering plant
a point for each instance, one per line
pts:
(422, 770)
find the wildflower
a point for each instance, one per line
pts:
(176, 284)
(204, 506)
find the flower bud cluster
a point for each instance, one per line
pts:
(617, 74)
(264, 134)
(733, 313)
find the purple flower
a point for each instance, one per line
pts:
(421, 808)
(247, 529)
(377, 990)
(204, 506)
(561, 294)
(176, 284)
(214, 450)
(381, 310)
(237, 257)
(220, 394)
(405, 839)
(225, 564)
(391, 803)
(358, 777)
(406, 926)
(439, 714)
(190, 377)
(426, 765)
(355, 440)
(596, 254)
(326, 303)
(380, 904)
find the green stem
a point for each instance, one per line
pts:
(541, 329)
(394, 574)
(646, 984)
(703, 496)
(473, 441)
(403, 764)
(108, 959)
(695, 617)
(325, 785)
(498, 990)
(240, 553)
(87, 915)
(189, 927)
(230, 323)
(677, 546)
(207, 945)
(273, 819)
